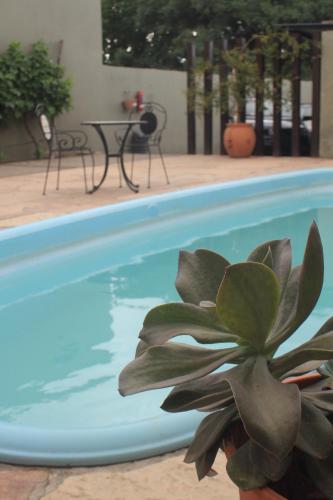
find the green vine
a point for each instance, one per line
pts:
(28, 80)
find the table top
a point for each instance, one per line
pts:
(113, 122)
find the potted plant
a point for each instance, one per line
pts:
(244, 80)
(280, 432)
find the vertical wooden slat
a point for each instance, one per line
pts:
(191, 128)
(316, 69)
(296, 102)
(208, 87)
(259, 111)
(277, 94)
(224, 95)
(241, 42)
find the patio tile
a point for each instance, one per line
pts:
(18, 483)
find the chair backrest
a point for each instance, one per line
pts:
(46, 127)
(155, 117)
(45, 124)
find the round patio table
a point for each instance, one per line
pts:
(98, 126)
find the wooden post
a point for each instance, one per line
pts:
(240, 42)
(191, 128)
(316, 69)
(224, 95)
(208, 87)
(277, 94)
(296, 102)
(259, 118)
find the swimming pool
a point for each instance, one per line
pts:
(74, 291)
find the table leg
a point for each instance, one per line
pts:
(130, 184)
(100, 132)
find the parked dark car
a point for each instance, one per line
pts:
(286, 127)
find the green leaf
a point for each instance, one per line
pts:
(243, 472)
(200, 275)
(169, 320)
(247, 302)
(325, 328)
(198, 394)
(315, 349)
(270, 466)
(268, 259)
(276, 254)
(204, 463)
(303, 368)
(171, 364)
(209, 433)
(315, 434)
(321, 399)
(311, 275)
(266, 418)
(320, 472)
(326, 369)
(287, 308)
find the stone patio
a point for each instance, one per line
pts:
(21, 202)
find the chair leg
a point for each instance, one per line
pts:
(58, 174)
(84, 172)
(119, 172)
(93, 168)
(163, 164)
(149, 168)
(132, 165)
(47, 172)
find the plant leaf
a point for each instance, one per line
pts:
(271, 467)
(315, 433)
(171, 364)
(321, 399)
(243, 472)
(209, 433)
(247, 302)
(303, 368)
(327, 327)
(199, 275)
(169, 320)
(198, 394)
(315, 349)
(279, 252)
(268, 259)
(266, 418)
(320, 472)
(287, 308)
(204, 463)
(310, 284)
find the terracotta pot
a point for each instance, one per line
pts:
(239, 436)
(239, 140)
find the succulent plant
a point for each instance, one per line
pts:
(253, 307)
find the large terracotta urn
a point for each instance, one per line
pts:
(239, 140)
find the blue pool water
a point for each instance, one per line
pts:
(70, 315)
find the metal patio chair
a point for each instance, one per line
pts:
(63, 141)
(148, 135)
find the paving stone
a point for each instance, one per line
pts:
(17, 483)
(153, 479)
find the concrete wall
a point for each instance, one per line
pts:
(97, 89)
(326, 104)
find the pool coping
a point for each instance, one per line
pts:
(72, 228)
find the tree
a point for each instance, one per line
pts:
(151, 33)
